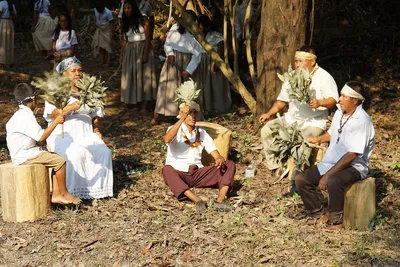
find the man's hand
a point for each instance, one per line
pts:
(97, 131)
(313, 140)
(185, 74)
(59, 119)
(315, 103)
(184, 112)
(323, 183)
(171, 59)
(264, 118)
(220, 162)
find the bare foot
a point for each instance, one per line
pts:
(59, 199)
(71, 198)
(155, 119)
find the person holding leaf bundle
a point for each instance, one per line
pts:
(183, 168)
(138, 78)
(23, 132)
(351, 140)
(183, 56)
(313, 115)
(89, 160)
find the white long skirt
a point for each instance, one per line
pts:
(89, 160)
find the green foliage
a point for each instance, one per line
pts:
(56, 89)
(299, 81)
(187, 92)
(395, 166)
(91, 91)
(289, 142)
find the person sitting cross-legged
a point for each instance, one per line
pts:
(351, 138)
(183, 169)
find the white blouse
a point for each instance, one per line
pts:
(63, 42)
(42, 6)
(184, 43)
(5, 12)
(103, 18)
(136, 36)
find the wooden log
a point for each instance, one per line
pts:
(222, 140)
(25, 192)
(359, 204)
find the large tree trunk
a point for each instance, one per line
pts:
(283, 30)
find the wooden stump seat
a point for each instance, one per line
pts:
(25, 192)
(359, 204)
(222, 140)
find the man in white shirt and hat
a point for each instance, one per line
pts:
(313, 115)
(183, 169)
(351, 138)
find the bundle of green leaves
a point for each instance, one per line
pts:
(289, 142)
(299, 80)
(186, 93)
(56, 89)
(91, 91)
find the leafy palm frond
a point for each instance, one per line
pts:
(299, 81)
(91, 91)
(187, 92)
(289, 142)
(56, 89)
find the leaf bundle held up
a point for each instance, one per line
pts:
(299, 80)
(187, 92)
(56, 89)
(91, 91)
(289, 142)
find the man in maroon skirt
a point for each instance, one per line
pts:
(183, 169)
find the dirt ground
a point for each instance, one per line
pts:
(143, 225)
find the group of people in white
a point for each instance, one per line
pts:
(88, 167)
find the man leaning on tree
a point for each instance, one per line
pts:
(351, 138)
(313, 115)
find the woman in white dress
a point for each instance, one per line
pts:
(89, 160)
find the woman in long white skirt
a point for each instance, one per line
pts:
(89, 160)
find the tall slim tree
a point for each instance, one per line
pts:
(283, 30)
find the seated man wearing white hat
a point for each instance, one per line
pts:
(351, 138)
(183, 169)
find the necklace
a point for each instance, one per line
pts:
(341, 126)
(196, 143)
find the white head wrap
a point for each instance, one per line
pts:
(305, 55)
(348, 91)
(192, 104)
(67, 63)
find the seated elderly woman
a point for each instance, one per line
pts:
(89, 162)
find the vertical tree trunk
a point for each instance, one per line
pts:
(283, 30)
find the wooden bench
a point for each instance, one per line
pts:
(222, 140)
(25, 192)
(359, 204)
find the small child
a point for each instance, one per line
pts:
(64, 39)
(102, 37)
(23, 132)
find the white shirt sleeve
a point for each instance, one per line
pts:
(109, 15)
(48, 109)
(284, 94)
(121, 10)
(74, 40)
(98, 112)
(208, 143)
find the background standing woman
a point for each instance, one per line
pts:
(43, 27)
(184, 54)
(7, 14)
(64, 40)
(138, 79)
